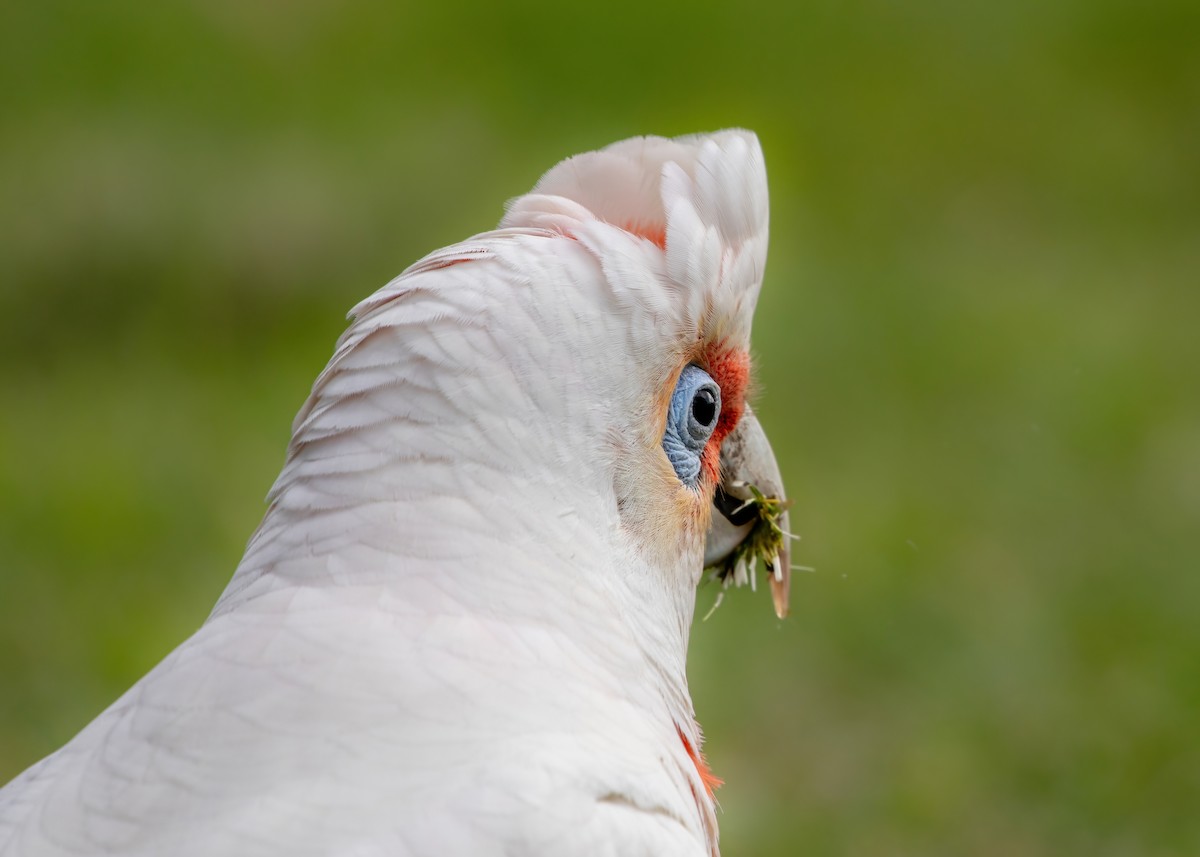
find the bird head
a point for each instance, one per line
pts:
(679, 228)
(567, 392)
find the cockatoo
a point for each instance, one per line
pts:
(462, 626)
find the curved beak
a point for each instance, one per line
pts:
(750, 520)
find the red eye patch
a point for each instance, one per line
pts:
(730, 368)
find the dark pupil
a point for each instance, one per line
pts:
(704, 407)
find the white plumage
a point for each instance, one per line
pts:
(462, 625)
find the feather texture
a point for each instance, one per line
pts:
(461, 627)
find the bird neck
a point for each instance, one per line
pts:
(529, 549)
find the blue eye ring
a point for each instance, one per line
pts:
(692, 417)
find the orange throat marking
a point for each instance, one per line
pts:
(711, 781)
(656, 233)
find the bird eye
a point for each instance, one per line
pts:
(691, 418)
(704, 407)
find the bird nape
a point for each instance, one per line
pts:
(462, 625)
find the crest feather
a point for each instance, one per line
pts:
(702, 199)
(622, 184)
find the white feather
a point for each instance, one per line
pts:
(462, 625)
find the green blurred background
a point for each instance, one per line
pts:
(977, 351)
